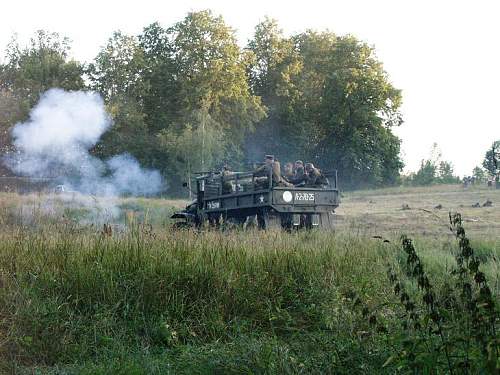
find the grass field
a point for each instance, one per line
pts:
(75, 299)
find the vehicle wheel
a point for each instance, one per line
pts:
(214, 221)
(233, 223)
(327, 220)
(267, 220)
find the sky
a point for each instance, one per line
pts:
(444, 55)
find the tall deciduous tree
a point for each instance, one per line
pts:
(491, 160)
(118, 70)
(43, 64)
(28, 72)
(331, 102)
(212, 75)
(274, 66)
(168, 77)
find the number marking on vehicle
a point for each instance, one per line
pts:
(213, 204)
(304, 197)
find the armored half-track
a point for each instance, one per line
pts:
(240, 199)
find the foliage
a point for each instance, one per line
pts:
(196, 148)
(434, 170)
(479, 174)
(136, 296)
(313, 95)
(492, 159)
(171, 77)
(426, 175)
(331, 102)
(28, 72)
(11, 112)
(117, 71)
(41, 65)
(79, 300)
(453, 330)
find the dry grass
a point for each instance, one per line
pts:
(148, 299)
(380, 211)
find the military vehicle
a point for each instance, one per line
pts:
(239, 198)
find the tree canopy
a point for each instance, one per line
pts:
(187, 96)
(330, 102)
(491, 160)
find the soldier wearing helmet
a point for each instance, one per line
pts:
(271, 166)
(314, 176)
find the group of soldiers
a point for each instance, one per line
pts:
(294, 174)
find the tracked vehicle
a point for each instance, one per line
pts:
(239, 198)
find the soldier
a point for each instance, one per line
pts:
(273, 167)
(314, 176)
(227, 186)
(278, 179)
(299, 176)
(288, 174)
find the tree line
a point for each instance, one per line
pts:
(187, 97)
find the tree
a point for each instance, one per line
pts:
(27, 73)
(195, 147)
(445, 173)
(211, 71)
(491, 160)
(118, 70)
(434, 170)
(330, 102)
(163, 103)
(426, 175)
(479, 174)
(167, 81)
(273, 63)
(41, 65)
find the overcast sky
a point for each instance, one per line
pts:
(444, 55)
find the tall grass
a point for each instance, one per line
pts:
(72, 297)
(139, 300)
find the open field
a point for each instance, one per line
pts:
(380, 211)
(75, 299)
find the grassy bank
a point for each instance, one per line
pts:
(181, 302)
(144, 299)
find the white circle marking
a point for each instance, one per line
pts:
(287, 196)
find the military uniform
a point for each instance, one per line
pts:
(272, 167)
(314, 176)
(288, 172)
(299, 175)
(227, 186)
(278, 180)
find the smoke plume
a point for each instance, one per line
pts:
(55, 142)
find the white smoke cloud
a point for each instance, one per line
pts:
(56, 139)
